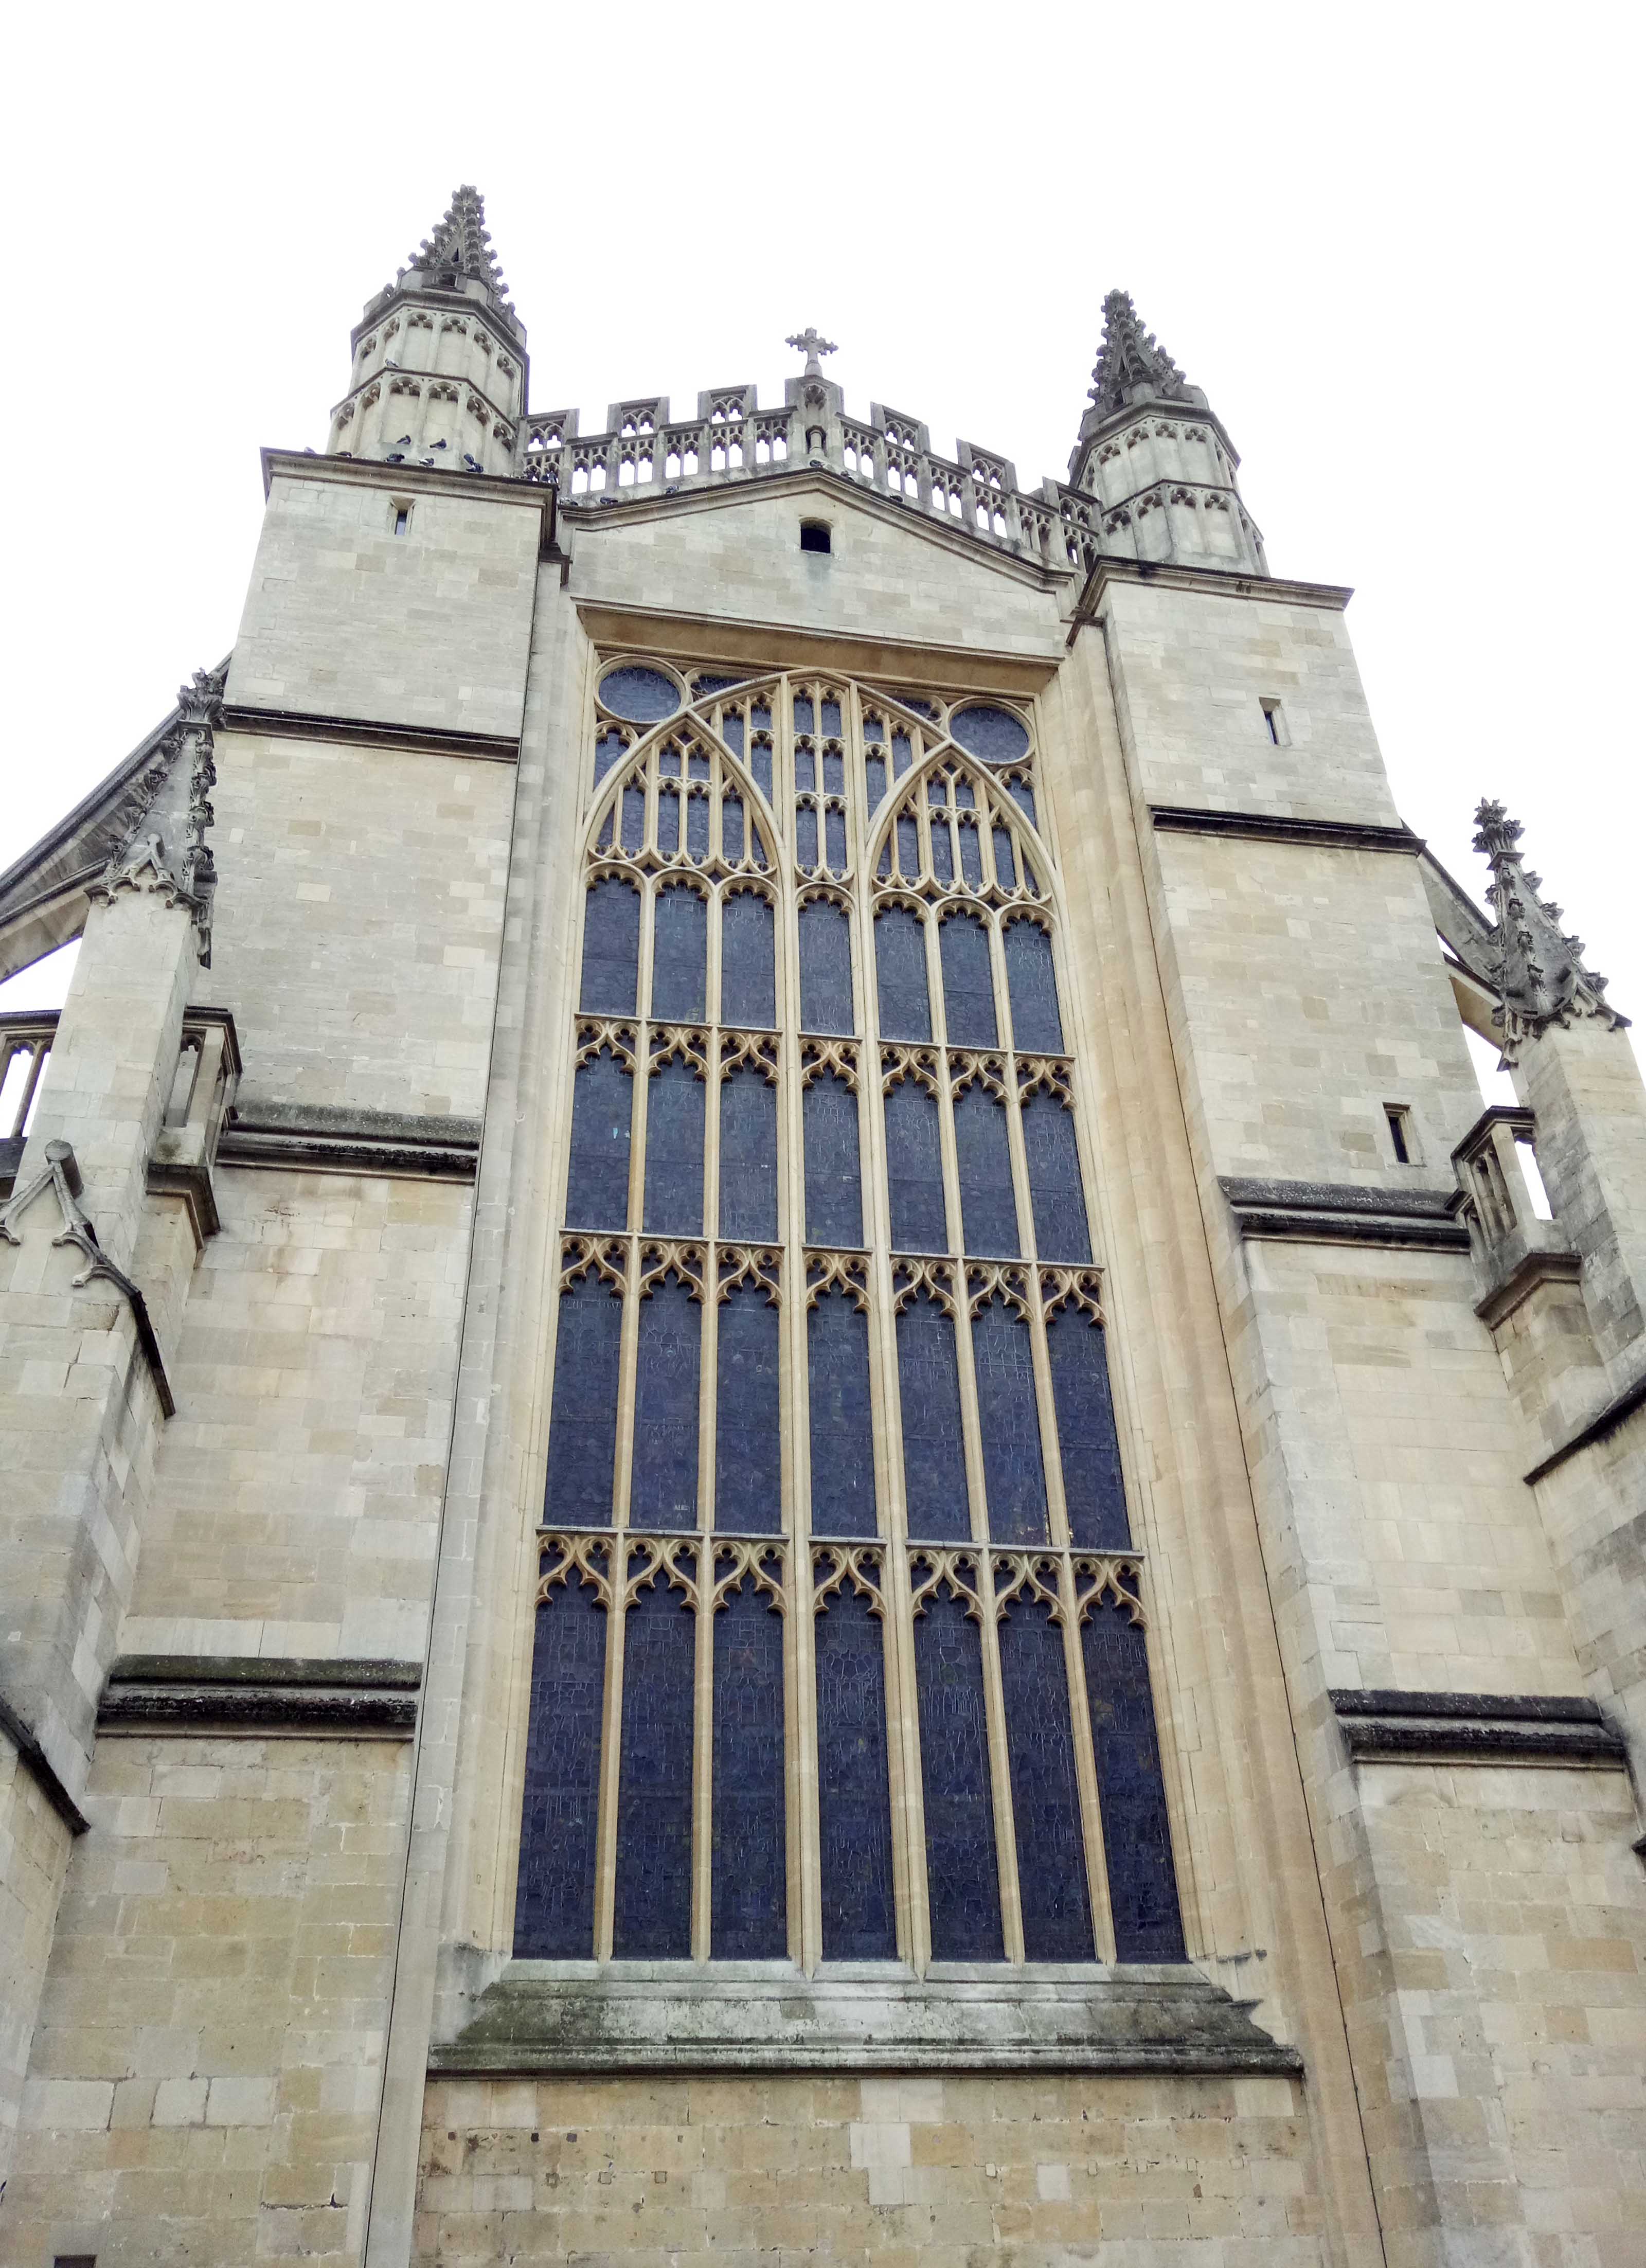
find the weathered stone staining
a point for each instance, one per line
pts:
(751, 1507)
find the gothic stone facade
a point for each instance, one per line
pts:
(790, 1476)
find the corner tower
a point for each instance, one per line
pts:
(439, 370)
(1157, 459)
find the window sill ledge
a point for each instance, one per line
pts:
(553, 2016)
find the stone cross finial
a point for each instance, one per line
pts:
(811, 343)
(1538, 968)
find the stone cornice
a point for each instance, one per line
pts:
(370, 732)
(677, 633)
(1382, 1725)
(252, 1694)
(1216, 582)
(305, 1138)
(668, 2016)
(1269, 826)
(1338, 1212)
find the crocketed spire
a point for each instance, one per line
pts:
(461, 244)
(1538, 968)
(1131, 366)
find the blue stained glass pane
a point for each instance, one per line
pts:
(731, 827)
(634, 818)
(1092, 1487)
(653, 1918)
(962, 1880)
(663, 1480)
(988, 1211)
(1032, 983)
(748, 1478)
(645, 697)
(1023, 795)
(761, 717)
(1005, 868)
(697, 826)
(697, 764)
(748, 1157)
(609, 750)
(806, 835)
(965, 795)
(825, 966)
(874, 772)
(994, 734)
(933, 1454)
(597, 1187)
(854, 1800)
(761, 763)
(1045, 1794)
(831, 720)
(834, 839)
(750, 1900)
(748, 983)
(669, 761)
(805, 769)
(942, 849)
(914, 1170)
(900, 943)
(971, 853)
(668, 821)
(938, 791)
(1013, 1473)
(908, 845)
(874, 728)
(583, 1423)
(611, 947)
(554, 1913)
(805, 719)
(834, 771)
(1131, 1793)
(674, 1152)
(842, 1428)
(884, 864)
(834, 1198)
(1054, 1190)
(968, 985)
(902, 753)
(731, 731)
(679, 955)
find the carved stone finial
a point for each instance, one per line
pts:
(811, 343)
(1538, 970)
(461, 243)
(175, 789)
(1131, 366)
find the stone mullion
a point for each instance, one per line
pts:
(999, 1766)
(908, 1870)
(611, 1752)
(1085, 1766)
(702, 1750)
(709, 1356)
(802, 1731)
(1051, 1458)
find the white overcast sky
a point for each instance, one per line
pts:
(1399, 245)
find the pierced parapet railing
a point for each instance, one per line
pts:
(732, 439)
(25, 1038)
(203, 1081)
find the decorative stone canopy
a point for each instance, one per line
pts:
(1536, 968)
(460, 244)
(1132, 366)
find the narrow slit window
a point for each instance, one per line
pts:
(403, 519)
(1274, 721)
(1400, 1138)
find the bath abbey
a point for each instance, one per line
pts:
(793, 1480)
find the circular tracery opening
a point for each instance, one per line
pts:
(993, 735)
(641, 697)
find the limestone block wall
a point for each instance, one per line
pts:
(34, 1844)
(428, 627)
(298, 1489)
(675, 2173)
(359, 920)
(1309, 993)
(737, 554)
(1193, 669)
(207, 2058)
(1494, 1981)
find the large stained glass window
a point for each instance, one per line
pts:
(841, 1648)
